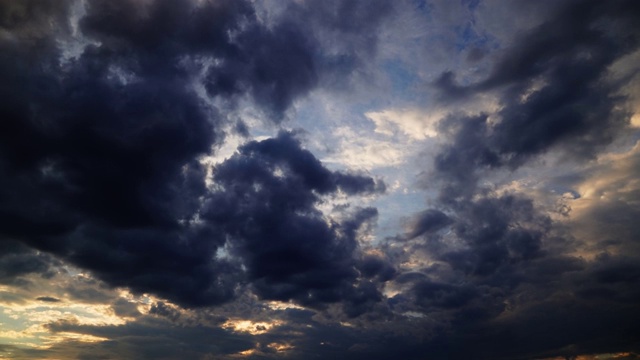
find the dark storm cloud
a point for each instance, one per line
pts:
(163, 310)
(376, 266)
(99, 168)
(479, 255)
(428, 221)
(48, 299)
(504, 279)
(348, 28)
(311, 43)
(17, 261)
(496, 231)
(554, 93)
(267, 208)
(99, 152)
(274, 67)
(33, 17)
(124, 308)
(552, 88)
(558, 327)
(88, 290)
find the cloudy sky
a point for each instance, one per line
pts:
(335, 179)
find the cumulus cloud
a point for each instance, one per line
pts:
(100, 152)
(266, 205)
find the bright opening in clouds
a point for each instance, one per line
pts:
(319, 179)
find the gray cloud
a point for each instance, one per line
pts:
(99, 152)
(501, 261)
(100, 169)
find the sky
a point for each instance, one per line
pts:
(335, 179)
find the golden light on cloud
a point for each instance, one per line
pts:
(38, 336)
(251, 327)
(248, 352)
(635, 119)
(608, 187)
(25, 323)
(280, 347)
(66, 336)
(84, 314)
(277, 347)
(279, 305)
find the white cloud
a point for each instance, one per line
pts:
(365, 152)
(413, 123)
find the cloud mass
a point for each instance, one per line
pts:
(200, 179)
